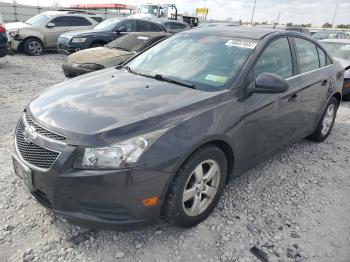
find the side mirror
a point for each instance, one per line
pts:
(50, 25)
(267, 83)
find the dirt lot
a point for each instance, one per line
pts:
(293, 207)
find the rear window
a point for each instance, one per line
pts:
(130, 42)
(98, 19)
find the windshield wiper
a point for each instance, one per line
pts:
(171, 80)
(128, 69)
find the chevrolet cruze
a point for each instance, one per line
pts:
(162, 135)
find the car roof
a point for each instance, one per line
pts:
(68, 12)
(336, 40)
(255, 33)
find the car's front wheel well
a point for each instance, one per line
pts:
(20, 47)
(338, 97)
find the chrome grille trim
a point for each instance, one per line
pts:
(44, 132)
(34, 155)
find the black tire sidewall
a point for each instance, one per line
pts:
(26, 47)
(318, 136)
(205, 153)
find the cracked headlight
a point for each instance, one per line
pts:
(78, 40)
(121, 155)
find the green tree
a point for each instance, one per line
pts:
(326, 25)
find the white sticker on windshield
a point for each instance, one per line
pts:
(241, 43)
(142, 37)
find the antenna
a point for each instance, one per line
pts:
(335, 12)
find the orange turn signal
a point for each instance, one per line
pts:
(152, 201)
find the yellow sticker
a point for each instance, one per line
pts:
(215, 78)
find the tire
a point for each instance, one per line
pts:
(346, 97)
(326, 123)
(184, 213)
(33, 47)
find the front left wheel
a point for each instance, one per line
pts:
(33, 47)
(196, 188)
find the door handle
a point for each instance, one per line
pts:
(324, 82)
(292, 97)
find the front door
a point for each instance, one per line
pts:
(272, 119)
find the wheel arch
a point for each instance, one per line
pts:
(28, 37)
(338, 97)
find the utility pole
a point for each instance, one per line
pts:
(278, 18)
(335, 13)
(251, 20)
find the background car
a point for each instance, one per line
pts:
(104, 33)
(42, 31)
(340, 50)
(4, 45)
(112, 54)
(330, 34)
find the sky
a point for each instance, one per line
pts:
(316, 12)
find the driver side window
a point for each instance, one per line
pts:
(128, 26)
(275, 59)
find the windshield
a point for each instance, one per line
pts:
(107, 25)
(130, 42)
(208, 62)
(38, 20)
(340, 50)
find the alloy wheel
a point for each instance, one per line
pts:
(328, 119)
(35, 47)
(201, 188)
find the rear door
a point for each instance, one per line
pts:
(272, 119)
(64, 24)
(315, 80)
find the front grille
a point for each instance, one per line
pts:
(43, 131)
(34, 154)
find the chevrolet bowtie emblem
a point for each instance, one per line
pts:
(29, 134)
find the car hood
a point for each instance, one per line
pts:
(111, 104)
(346, 64)
(81, 33)
(98, 55)
(16, 25)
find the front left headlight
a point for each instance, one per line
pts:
(78, 40)
(121, 155)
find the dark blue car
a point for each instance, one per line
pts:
(104, 32)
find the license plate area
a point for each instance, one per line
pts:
(22, 171)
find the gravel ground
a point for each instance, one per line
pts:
(293, 207)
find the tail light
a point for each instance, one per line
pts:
(2, 29)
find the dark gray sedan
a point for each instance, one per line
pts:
(163, 134)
